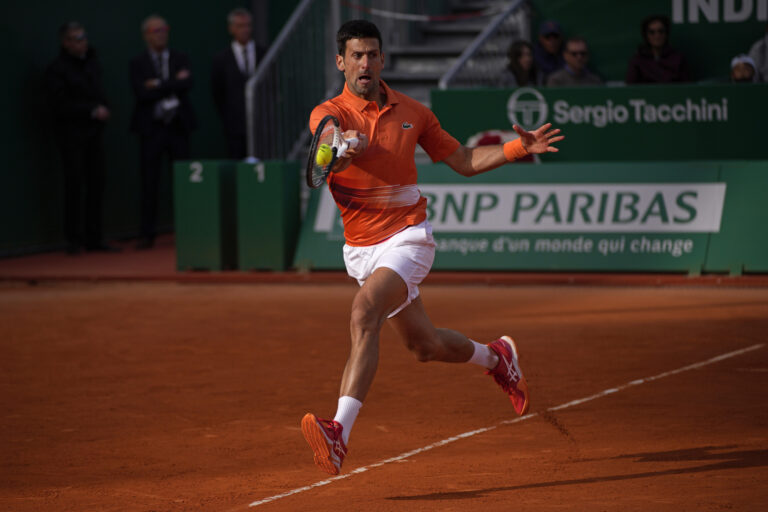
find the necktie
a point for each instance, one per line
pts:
(158, 64)
(246, 61)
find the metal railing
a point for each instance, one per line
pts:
(290, 81)
(298, 71)
(483, 61)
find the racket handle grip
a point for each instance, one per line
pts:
(347, 144)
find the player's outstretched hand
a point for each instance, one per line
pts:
(540, 139)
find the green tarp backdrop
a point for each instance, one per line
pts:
(708, 32)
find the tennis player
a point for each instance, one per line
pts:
(389, 247)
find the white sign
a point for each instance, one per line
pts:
(715, 11)
(565, 208)
(528, 108)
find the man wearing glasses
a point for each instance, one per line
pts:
(79, 105)
(575, 72)
(163, 115)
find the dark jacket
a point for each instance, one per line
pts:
(142, 69)
(546, 62)
(644, 68)
(228, 88)
(74, 90)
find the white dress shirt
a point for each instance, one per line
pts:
(249, 67)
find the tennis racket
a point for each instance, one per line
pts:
(326, 148)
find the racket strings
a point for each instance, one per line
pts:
(327, 133)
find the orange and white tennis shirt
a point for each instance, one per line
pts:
(378, 193)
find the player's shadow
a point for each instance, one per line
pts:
(736, 459)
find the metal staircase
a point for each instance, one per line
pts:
(417, 67)
(465, 46)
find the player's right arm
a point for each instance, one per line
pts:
(351, 153)
(328, 108)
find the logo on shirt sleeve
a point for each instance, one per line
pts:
(407, 125)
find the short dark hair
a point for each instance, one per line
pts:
(68, 27)
(575, 39)
(238, 12)
(356, 29)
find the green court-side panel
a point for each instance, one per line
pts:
(620, 124)
(204, 206)
(741, 245)
(321, 238)
(267, 214)
(644, 216)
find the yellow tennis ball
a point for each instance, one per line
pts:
(324, 155)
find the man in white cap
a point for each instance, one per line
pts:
(743, 69)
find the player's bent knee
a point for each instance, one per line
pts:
(422, 350)
(364, 320)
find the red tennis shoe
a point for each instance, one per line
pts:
(508, 375)
(324, 437)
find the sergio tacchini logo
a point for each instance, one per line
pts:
(527, 107)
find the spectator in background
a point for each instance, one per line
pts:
(759, 55)
(521, 70)
(163, 115)
(743, 69)
(79, 105)
(547, 52)
(575, 71)
(230, 71)
(655, 61)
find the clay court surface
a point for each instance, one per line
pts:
(162, 396)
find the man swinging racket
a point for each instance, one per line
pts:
(389, 246)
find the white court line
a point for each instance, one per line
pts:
(444, 442)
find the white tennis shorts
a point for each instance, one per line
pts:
(409, 252)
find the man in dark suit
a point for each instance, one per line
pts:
(230, 71)
(163, 116)
(76, 97)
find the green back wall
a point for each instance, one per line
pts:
(30, 179)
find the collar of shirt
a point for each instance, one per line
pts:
(573, 72)
(162, 55)
(249, 47)
(239, 47)
(361, 103)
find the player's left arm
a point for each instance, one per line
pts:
(471, 161)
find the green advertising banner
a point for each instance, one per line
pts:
(674, 122)
(594, 217)
(708, 32)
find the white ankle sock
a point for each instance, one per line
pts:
(484, 356)
(346, 414)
